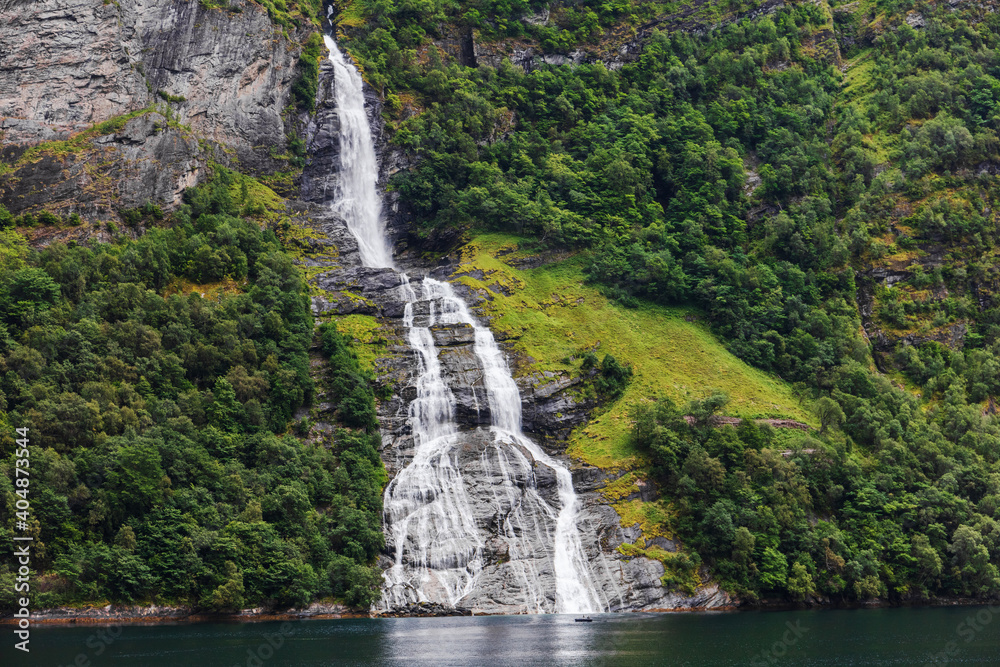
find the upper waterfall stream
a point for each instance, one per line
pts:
(358, 200)
(444, 533)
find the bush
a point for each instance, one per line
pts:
(305, 84)
(6, 219)
(175, 99)
(613, 378)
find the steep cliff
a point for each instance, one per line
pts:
(158, 89)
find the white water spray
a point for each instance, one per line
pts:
(430, 518)
(358, 201)
(574, 590)
(428, 515)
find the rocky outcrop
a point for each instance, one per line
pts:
(551, 404)
(67, 65)
(619, 45)
(428, 609)
(320, 175)
(143, 615)
(147, 160)
(897, 274)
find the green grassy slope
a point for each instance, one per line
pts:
(554, 317)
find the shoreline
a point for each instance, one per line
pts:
(109, 615)
(166, 615)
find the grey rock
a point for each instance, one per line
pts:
(321, 173)
(68, 64)
(663, 543)
(146, 161)
(447, 335)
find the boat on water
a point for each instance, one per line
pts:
(584, 619)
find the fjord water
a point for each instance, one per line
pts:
(857, 638)
(430, 521)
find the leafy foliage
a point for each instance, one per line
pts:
(161, 465)
(801, 517)
(741, 173)
(304, 86)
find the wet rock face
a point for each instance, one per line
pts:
(320, 176)
(503, 501)
(552, 406)
(66, 65)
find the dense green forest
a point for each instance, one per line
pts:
(158, 378)
(761, 170)
(745, 172)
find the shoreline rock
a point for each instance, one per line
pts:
(157, 615)
(161, 614)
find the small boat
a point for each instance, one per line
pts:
(584, 619)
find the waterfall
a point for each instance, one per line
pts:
(357, 200)
(428, 515)
(437, 526)
(574, 590)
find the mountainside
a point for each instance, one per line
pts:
(817, 181)
(740, 259)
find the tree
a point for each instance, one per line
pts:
(135, 479)
(225, 410)
(718, 529)
(972, 561)
(228, 596)
(800, 582)
(660, 428)
(13, 249)
(829, 413)
(743, 548)
(126, 538)
(928, 560)
(704, 410)
(6, 219)
(614, 377)
(773, 570)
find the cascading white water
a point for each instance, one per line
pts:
(574, 590)
(431, 520)
(358, 201)
(428, 514)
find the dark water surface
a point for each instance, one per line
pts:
(845, 637)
